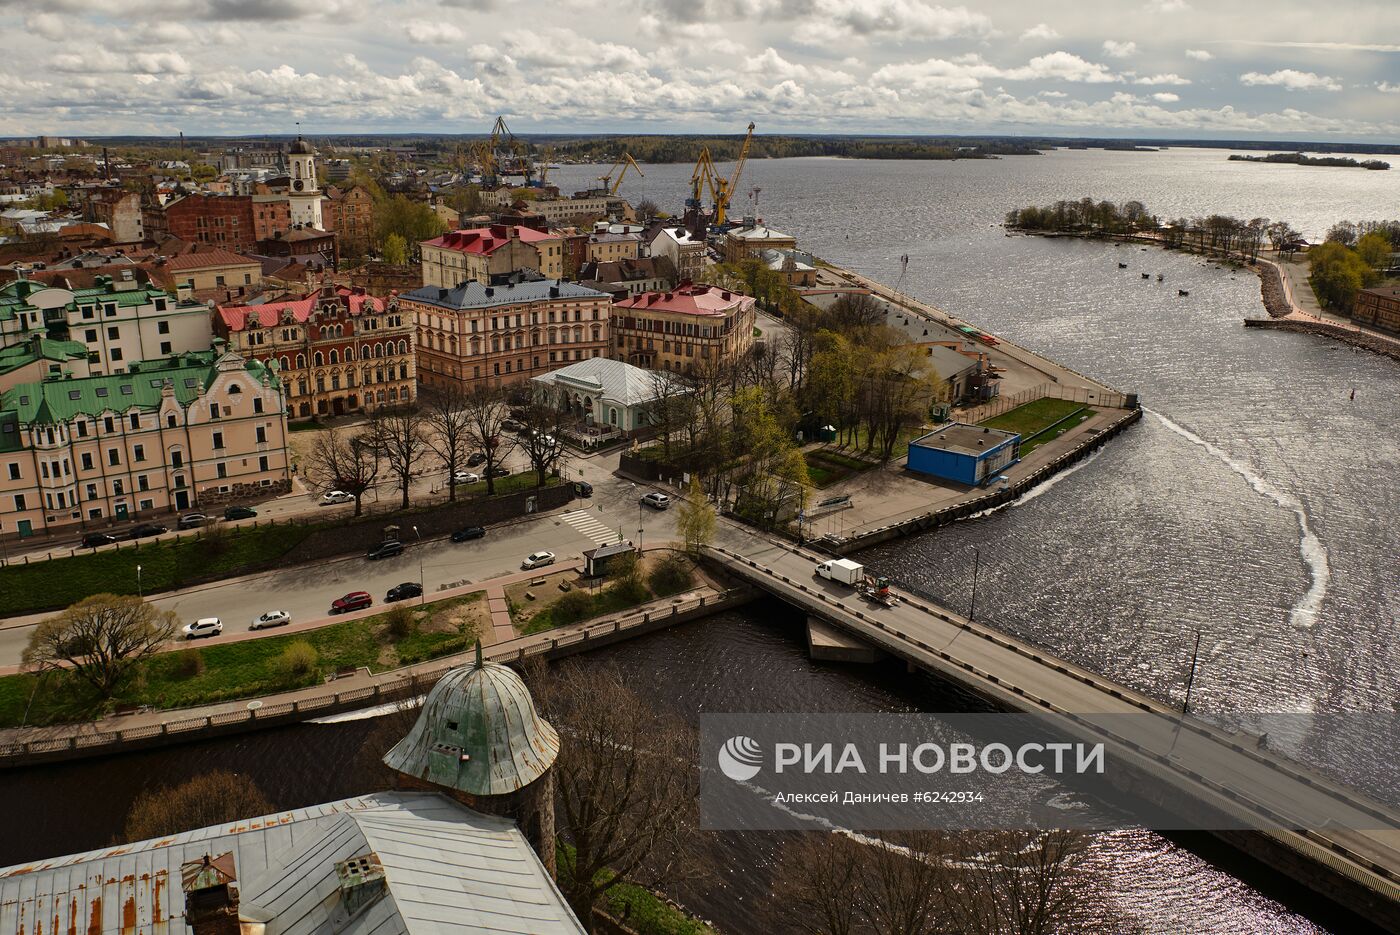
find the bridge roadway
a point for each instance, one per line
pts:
(1217, 770)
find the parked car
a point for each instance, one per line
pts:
(510, 425)
(272, 618)
(498, 472)
(583, 488)
(239, 512)
(468, 533)
(332, 497)
(466, 477)
(204, 626)
(475, 458)
(657, 501)
(145, 529)
(537, 560)
(93, 539)
(385, 549)
(355, 600)
(192, 521)
(402, 592)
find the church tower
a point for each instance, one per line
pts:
(305, 196)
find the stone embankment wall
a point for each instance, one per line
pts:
(1361, 339)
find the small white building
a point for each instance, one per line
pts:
(610, 396)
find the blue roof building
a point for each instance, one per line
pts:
(965, 454)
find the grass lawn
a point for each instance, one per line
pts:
(901, 446)
(511, 483)
(644, 911)
(164, 565)
(212, 672)
(537, 615)
(1033, 420)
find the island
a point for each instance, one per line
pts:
(1298, 159)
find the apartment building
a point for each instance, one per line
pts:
(686, 252)
(271, 213)
(350, 214)
(580, 211)
(187, 431)
(686, 327)
(222, 220)
(210, 273)
(748, 241)
(483, 252)
(506, 333)
(609, 247)
(119, 319)
(337, 349)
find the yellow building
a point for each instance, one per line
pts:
(477, 254)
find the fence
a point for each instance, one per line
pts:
(402, 686)
(1111, 399)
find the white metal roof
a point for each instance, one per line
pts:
(449, 870)
(614, 380)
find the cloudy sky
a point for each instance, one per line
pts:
(1174, 68)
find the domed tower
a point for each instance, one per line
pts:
(480, 740)
(305, 196)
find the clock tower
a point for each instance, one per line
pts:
(304, 195)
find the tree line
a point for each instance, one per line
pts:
(1298, 159)
(726, 148)
(1354, 257)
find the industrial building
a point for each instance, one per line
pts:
(965, 454)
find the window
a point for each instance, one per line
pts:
(116, 356)
(257, 404)
(126, 389)
(262, 433)
(218, 280)
(139, 452)
(92, 491)
(135, 420)
(148, 504)
(262, 463)
(177, 458)
(222, 469)
(19, 501)
(163, 327)
(165, 347)
(113, 333)
(142, 483)
(108, 425)
(114, 457)
(90, 335)
(213, 410)
(87, 461)
(14, 471)
(218, 439)
(117, 488)
(170, 420)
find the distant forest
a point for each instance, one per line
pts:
(726, 148)
(1298, 159)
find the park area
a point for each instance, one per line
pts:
(1040, 421)
(565, 597)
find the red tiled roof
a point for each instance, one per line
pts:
(484, 241)
(237, 317)
(689, 299)
(201, 259)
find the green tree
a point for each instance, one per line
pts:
(395, 250)
(100, 639)
(414, 221)
(1374, 250)
(695, 518)
(1336, 274)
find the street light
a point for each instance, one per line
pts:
(140, 595)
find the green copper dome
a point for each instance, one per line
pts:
(478, 733)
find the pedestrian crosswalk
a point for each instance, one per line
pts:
(589, 525)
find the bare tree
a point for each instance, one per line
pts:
(448, 421)
(401, 439)
(855, 311)
(627, 786)
(340, 461)
(1025, 883)
(487, 412)
(100, 639)
(820, 878)
(212, 798)
(542, 438)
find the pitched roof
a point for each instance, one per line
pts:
(40, 348)
(615, 380)
(204, 259)
(483, 241)
(689, 299)
(268, 314)
(448, 870)
(476, 295)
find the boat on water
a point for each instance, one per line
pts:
(1160, 277)
(1146, 275)
(1182, 292)
(1122, 265)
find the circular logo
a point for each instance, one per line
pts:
(740, 758)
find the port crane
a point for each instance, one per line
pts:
(623, 164)
(706, 177)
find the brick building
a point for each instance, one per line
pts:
(223, 220)
(505, 333)
(1379, 307)
(678, 330)
(308, 245)
(337, 349)
(271, 213)
(350, 214)
(120, 210)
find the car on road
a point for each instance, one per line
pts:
(498, 472)
(272, 618)
(657, 501)
(537, 560)
(239, 512)
(583, 488)
(93, 539)
(192, 521)
(145, 529)
(466, 477)
(355, 600)
(468, 533)
(332, 497)
(385, 549)
(475, 458)
(402, 592)
(510, 425)
(204, 626)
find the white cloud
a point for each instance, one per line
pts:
(1293, 80)
(1388, 88)
(1167, 6)
(1040, 31)
(433, 32)
(1063, 66)
(1200, 55)
(1116, 49)
(1162, 79)
(1166, 97)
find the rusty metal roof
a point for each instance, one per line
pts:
(449, 871)
(478, 732)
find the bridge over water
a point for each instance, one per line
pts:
(1327, 837)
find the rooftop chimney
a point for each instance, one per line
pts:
(211, 895)
(362, 883)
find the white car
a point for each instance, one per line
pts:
(537, 560)
(657, 501)
(466, 477)
(273, 618)
(331, 497)
(204, 626)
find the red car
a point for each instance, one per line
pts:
(355, 600)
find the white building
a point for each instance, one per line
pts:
(608, 394)
(305, 195)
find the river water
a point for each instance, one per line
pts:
(1255, 503)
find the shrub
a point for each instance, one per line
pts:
(207, 799)
(670, 575)
(625, 573)
(571, 607)
(298, 660)
(400, 622)
(189, 663)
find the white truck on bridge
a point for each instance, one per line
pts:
(843, 570)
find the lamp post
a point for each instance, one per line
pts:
(422, 585)
(140, 595)
(1191, 676)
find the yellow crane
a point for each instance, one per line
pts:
(724, 188)
(702, 179)
(625, 163)
(548, 157)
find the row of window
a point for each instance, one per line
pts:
(501, 322)
(378, 377)
(562, 336)
(369, 352)
(61, 500)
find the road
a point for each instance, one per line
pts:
(306, 591)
